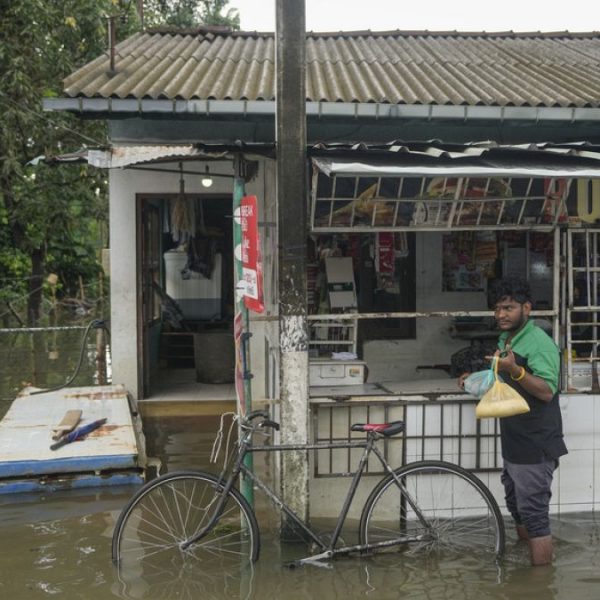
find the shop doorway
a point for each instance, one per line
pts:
(185, 299)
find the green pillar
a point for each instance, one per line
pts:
(241, 329)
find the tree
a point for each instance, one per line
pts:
(40, 43)
(49, 217)
(189, 13)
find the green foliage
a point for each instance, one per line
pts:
(189, 13)
(52, 219)
(42, 208)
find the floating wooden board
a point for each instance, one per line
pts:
(26, 434)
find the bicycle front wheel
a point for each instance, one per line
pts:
(170, 510)
(441, 508)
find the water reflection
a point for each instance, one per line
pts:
(187, 585)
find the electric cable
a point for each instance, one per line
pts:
(94, 324)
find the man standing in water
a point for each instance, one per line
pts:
(533, 442)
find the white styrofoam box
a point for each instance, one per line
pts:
(197, 296)
(336, 372)
(581, 376)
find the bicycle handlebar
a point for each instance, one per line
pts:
(254, 414)
(264, 414)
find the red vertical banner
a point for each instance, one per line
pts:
(385, 253)
(252, 275)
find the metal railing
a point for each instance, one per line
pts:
(582, 309)
(441, 430)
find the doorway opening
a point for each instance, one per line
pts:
(185, 249)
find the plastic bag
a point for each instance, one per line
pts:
(478, 383)
(501, 400)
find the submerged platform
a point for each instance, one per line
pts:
(113, 454)
(176, 393)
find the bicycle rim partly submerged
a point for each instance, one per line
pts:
(461, 514)
(168, 511)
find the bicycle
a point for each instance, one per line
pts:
(196, 518)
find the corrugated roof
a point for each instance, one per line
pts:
(397, 67)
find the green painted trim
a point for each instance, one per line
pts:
(246, 487)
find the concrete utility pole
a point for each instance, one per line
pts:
(292, 207)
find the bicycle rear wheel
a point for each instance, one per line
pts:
(168, 511)
(460, 512)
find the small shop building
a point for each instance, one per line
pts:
(437, 162)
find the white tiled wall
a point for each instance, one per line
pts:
(576, 485)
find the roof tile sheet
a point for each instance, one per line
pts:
(447, 68)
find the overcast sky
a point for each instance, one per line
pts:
(435, 15)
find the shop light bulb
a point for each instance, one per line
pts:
(207, 180)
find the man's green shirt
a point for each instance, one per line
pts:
(543, 357)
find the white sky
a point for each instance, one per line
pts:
(435, 15)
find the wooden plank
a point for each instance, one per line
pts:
(67, 423)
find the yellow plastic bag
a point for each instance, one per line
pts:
(500, 400)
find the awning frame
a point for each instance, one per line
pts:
(467, 197)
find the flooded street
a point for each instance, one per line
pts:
(59, 545)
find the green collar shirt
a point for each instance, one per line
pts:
(542, 354)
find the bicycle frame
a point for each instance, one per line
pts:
(327, 549)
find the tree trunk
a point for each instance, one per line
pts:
(34, 301)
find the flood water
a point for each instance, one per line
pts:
(58, 546)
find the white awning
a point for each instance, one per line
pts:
(352, 168)
(125, 156)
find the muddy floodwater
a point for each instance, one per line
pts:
(58, 545)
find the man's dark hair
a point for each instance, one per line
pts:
(516, 288)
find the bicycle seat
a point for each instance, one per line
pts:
(387, 429)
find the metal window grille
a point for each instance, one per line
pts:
(332, 335)
(582, 308)
(438, 430)
(363, 204)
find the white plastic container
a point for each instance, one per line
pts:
(198, 297)
(581, 376)
(336, 372)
